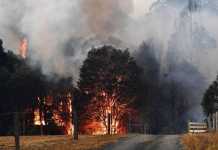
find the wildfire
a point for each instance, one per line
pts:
(106, 114)
(23, 48)
(61, 113)
(37, 119)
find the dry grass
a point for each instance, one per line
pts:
(200, 141)
(58, 142)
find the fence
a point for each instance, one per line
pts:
(195, 127)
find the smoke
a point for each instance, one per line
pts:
(51, 25)
(186, 37)
(60, 32)
(105, 17)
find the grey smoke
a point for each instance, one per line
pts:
(60, 33)
(50, 25)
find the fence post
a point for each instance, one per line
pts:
(16, 130)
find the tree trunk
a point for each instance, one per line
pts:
(75, 121)
(41, 116)
(16, 130)
(41, 124)
(24, 124)
(109, 124)
(129, 123)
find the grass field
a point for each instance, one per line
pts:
(58, 142)
(200, 141)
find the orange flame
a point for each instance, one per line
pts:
(106, 113)
(23, 48)
(61, 115)
(37, 119)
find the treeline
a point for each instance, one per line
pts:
(23, 89)
(155, 100)
(210, 99)
(169, 95)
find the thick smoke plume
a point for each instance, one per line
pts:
(51, 25)
(105, 17)
(60, 32)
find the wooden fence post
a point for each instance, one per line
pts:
(16, 130)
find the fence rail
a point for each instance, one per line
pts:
(195, 127)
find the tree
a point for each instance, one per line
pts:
(111, 78)
(149, 101)
(169, 90)
(2, 53)
(20, 85)
(24, 89)
(210, 97)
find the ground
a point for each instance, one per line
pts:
(118, 142)
(58, 142)
(147, 142)
(207, 141)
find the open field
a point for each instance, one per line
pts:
(200, 141)
(58, 142)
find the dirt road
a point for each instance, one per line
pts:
(147, 142)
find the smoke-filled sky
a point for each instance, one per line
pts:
(52, 24)
(141, 7)
(60, 33)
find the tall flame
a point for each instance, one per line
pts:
(23, 48)
(106, 115)
(61, 113)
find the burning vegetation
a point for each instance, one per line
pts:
(110, 91)
(104, 98)
(109, 78)
(54, 111)
(105, 114)
(108, 87)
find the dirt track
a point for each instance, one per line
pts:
(147, 142)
